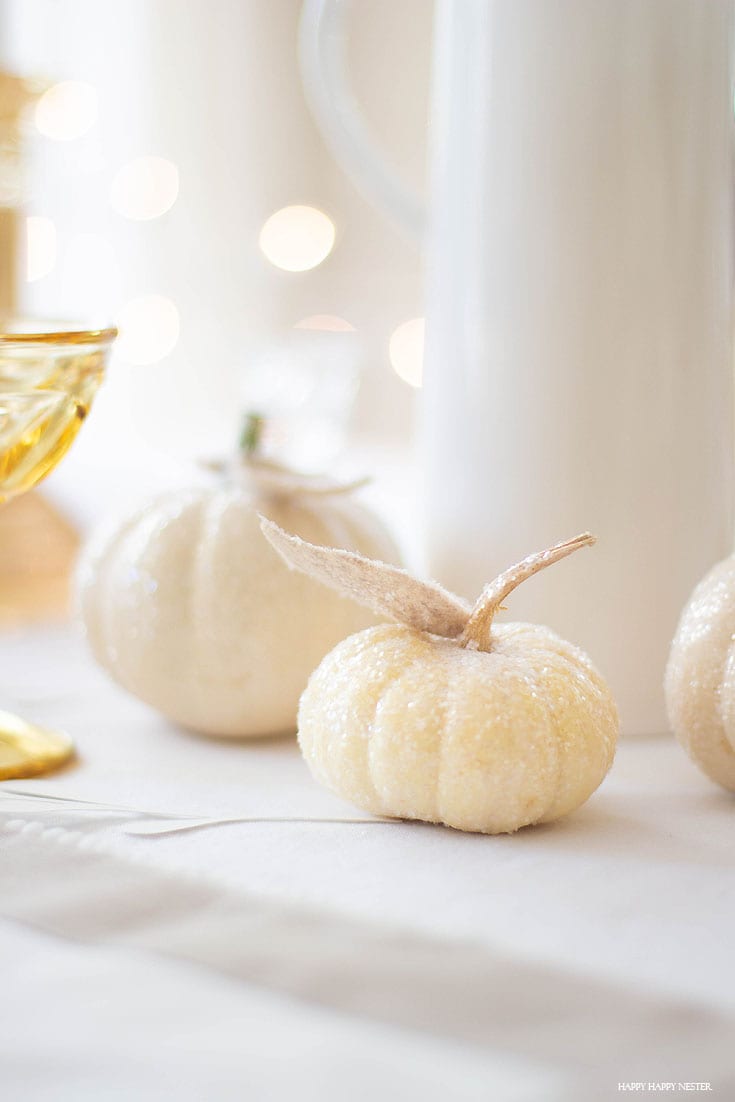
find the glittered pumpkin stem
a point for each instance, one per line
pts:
(476, 634)
(397, 595)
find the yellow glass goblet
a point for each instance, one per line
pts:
(49, 376)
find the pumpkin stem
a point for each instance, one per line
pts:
(251, 435)
(476, 635)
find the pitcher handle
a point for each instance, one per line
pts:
(324, 74)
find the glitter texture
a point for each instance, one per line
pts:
(410, 725)
(700, 676)
(188, 607)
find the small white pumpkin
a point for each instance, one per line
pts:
(188, 607)
(700, 676)
(444, 716)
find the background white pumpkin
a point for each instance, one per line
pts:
(700, 676)
(187, 605)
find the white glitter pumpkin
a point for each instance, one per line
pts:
(444, 716)
(188, 607)
(700, 676)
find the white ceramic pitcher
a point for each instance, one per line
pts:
(578, 368)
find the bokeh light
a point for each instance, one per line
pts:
(149, 329)
(145, 188)
(297, 238)
(406, 351)
(40, 247)
(67, 110)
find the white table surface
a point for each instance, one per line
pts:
(328, 960)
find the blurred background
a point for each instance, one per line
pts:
(160, 168)
(166, 173)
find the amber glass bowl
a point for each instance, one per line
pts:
(49, 375)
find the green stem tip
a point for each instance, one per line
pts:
(251, 435)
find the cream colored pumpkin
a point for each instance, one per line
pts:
(448, 718)
(188, 607)
(700, 676)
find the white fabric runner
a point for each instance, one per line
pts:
(555, 964)
(587, 1035)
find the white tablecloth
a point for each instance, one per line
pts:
(333, 960)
